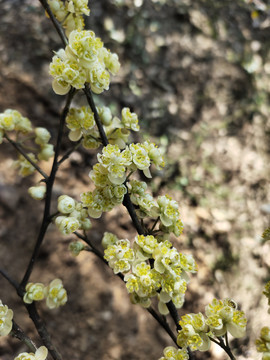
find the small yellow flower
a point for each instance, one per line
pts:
(34, 292)
(37, 192)
(6, 316)
(40, 354)
(55, 293)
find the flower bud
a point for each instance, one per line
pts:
(66, 204)
(6, 316)
(76, 247)
(46, 152)
(105, 115)
(42, 136)
(37, 192)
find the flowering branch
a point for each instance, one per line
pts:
(151, 311)
(21, 151)
(38, 322)
(49, 183)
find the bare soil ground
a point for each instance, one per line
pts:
(197, 73)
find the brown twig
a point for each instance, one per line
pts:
(42, 331)
(18, 333)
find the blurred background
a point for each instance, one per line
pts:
(197, 73)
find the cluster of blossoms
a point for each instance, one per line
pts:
(222, 316)
(165, 208)
(6, 316)
(81, 123)
(54, 293)
(40, 354)
(12, 120)
(70, 13)
(166, 278)
(171, 353)
(84, 60)
(263, 343)
(73, 216)
(110, 174)
(42, 138)
(75, 247)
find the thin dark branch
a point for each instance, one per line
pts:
(21, 151)
(221, 343)
(18, 333)
(92, 105)
(56, 24)
(174, 314)
(41, 329)
(10, 280)
(46, 215)
(226, 348)
(69, 152)
(132, 213)
(163, 323)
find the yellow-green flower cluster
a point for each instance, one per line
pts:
(171, 353)
(119, 256)
(146, 205)
(12, 120)
(54, 293)
(103, 199)
(34, 292)
(194, 332)
(84, 59)
(6, 316)
(166, 278)
(40, 354)
(117, 131)
(169, 215)
(73, 216)
(263, 343)
(25, 167)
(81, 123)
(266, 292)
(75, 247)
(222, 316)
(42, 138)
(165, 208)
(70, 13)
(110, 173)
